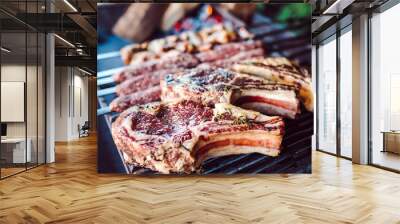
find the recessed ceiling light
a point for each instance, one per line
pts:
(70, 5)
(64, 40)
(337, 7)
(84, 71)
(5, 50)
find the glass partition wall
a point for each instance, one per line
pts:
(327, 96)
(13, 145)
(345, 92)
(334, 94)
(22, 77)
(385, 89)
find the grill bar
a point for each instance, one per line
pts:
(103, 110)
(106, 91)
(109, 72)
(246, 165)
(105, 81)
(224, 164)
(109, 55)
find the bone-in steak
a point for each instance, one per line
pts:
(123, 102)
(190, 42)
(144, 77)
(228, 62)
(212, 86)
(144, 81)
(281, 70)
(225, 51)
(169, 60)
(177, 137)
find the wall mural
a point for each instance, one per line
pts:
(204, 88)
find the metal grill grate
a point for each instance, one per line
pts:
(280, 39)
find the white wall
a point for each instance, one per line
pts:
(61, 103)
(71, 94)
(80, 115)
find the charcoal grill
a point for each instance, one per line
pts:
(279, 39)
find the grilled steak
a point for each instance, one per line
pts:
(189, 41)
(212, 86)
(221, 55)
(229, 62)
(143, 88)
(123, 102)
(225, 55)
(135, 83)
(170, 60)
(225, 51)
(283, 71)
(143, 81)
(147, 80)
(128, 52)
(177, 137)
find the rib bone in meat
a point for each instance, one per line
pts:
(143, 81)
(189, 42)
(123, 102)
(169, 60)
(177, 137)
(225, 51)
(281, 70)
(211, 86)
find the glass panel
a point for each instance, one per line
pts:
(346, 94)
(32, 89)
(327, 97)
(13, 80)
(385, 84)
(22, 88)
(31, 100)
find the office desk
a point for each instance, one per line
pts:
(13, 150)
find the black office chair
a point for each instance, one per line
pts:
(84, 130)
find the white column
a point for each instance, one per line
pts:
(360, 90)
(50, 100)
